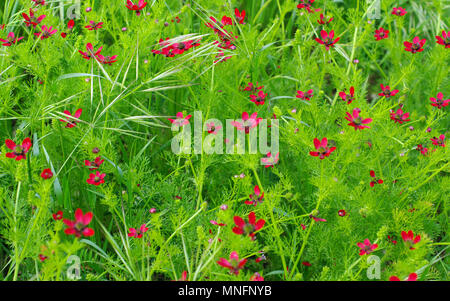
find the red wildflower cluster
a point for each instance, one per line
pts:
(70, 26)
(107, 60)
(234, 264)
(46, 32)
(94, 25)
(255, 198)
(416, 45)
(71, 120)
(356, 121)
(366, 247)
(270, 160)
(307, 5)
(439, 141)
(248, 122)
(375, 179)
(32, 20)
(444, 40)
(399, 116)
(79, 226)
(381, 34)
(386, 91)
(180, 121)
(248, 228)
(322, 148)
(323, 20)
(137, 233)
(439, 101)
(94, 165)
(18, 151)
(411, 277)
(47, 174)
(136, 7)
(348, 97)
(10, 39)
(409, 239)
(170, 49)
(327, 39)
(258, 99)
(399, 11)
(305, 95)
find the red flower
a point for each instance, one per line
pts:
(212, 128)
(248, 123)
(70, 26)
(46, 174)
(307, 4)
(306, 263)
(381, 34)
(399, 11)
(415, 46)
(305, 95)
(137, 7)
(411, 277)
(439, 141)
(386, 91)
(32, 20)
(170, 49)
(94, 165)
(240, 16)
(256, 198)
(391, 239)
(444, 40)
(79, 227)
(253, 88)
(183, 276)
(96, 179)
(107, 60)
(342, 212)
(71, 122)
(366, 247)
(138, 233)
(356, 121)
(18, 151)
(439, 102)
(270, 160)
(180, 121)
(409, 239)
(327, 39)
(58, 215)
(11, 39)
(323, 20)
(42, 258)
(38, 2)
(399, 116)
(260, 99)
(235, 265)
(2, 26)
(94, 25)
(423, 150)
(248, 228)
(375, 180)
(322, 148)
(46, 32)
(348, 97)
(317, 219)
(257, 277)
(90, 52)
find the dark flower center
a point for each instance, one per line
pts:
(18, 150)
(97, 179)
(249, 229)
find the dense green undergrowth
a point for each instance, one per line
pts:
(124, 121)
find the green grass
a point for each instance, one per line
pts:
(125, 110)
